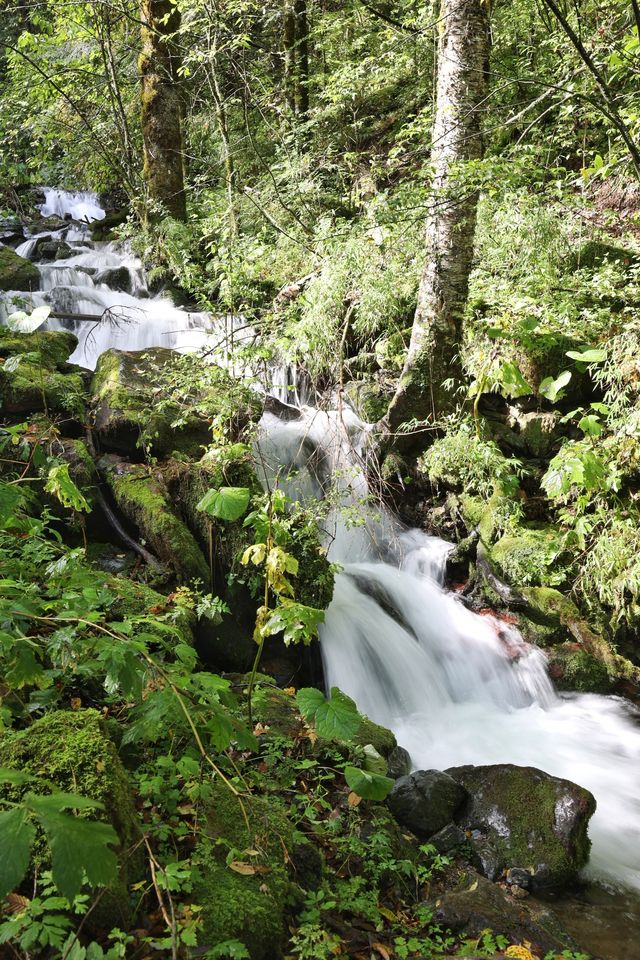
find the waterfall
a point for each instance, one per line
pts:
(454, 686)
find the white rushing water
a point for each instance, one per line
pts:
(454, 686)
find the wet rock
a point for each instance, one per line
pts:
(130, 414)
(11, 231)
(103, 229)
(531, 555)
(399, 763)
(573, 668)
(477, 905)
(523, 817)
(518, 877)
(53, 250)
(16, 273)
(448, 838)
(142, 497)
(36, 378)
(426, 801)
(116, 278)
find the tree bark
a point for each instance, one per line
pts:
(162, 107)
(302, 57)
(432, 371)
(289, 53)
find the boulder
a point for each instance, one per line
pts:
(246, 900)
(426, 801)
(130, 413)
(142, 497)
(532, 555)
(117, 278)
(73, 750)
(523, 817)
(35, 381)
(477, 905)
(54, 249)
(16, 273)
(398, 763)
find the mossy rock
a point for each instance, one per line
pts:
(129, 413)
(558, 614)
(35, 387)
(230, 643)
(143, 498)
(16, 273)
(526, 818)
(247, 904)
(369, 399)
(74, 752)
(53, 346)
(531, 556)
(594, 253)
(103, 229)
(572, 668)
(132, 599)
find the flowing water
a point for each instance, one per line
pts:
(455, 687)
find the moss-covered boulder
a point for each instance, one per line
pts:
(133, 410)
(369, 399)
(37, 378)
(142, 497)
(230, 643)
(573, 668)
(523, 817)
(245, 873)
(532, 555)
(169, 622)
(74, 752)
(16, 273)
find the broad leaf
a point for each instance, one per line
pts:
(369, 786)
(60, 484)
(78, 848)
(553, 389)
(513, 383)
(22, 322)
(588, 356)
(336, 717)
(227, 503)
(16, 839)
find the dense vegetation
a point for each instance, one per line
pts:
(163, 790)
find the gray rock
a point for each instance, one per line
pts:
(478, 905)
(398, 763)
(117, 278)
(448, 838)
(426, 801)
(523, 817)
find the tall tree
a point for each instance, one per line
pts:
(162, 106)
(432, 370)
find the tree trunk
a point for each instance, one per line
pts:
(289, 53)
(432, 372)
(161, 107)
(302, 56)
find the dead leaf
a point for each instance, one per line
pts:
(290, 690)
(75, 703)
(382, 950)
(247, 869)
(16, 903)
(388, 915)
(353, 799)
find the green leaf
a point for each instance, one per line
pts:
(590, 426)
(587, 356)
(78, 848)
(373, 762)
(227, 503)
(16, 839)
(60, 484)
(336, 717)
(513, 383)
(552, 389)
(369, 786)
(15, 777)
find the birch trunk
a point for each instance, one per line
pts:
(161, 107)
(432, 372)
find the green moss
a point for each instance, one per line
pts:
(369, 399)
(16, 273)
(145, 501)
(53, 346)
(133, 599)
(73, 751)
(249, 908)
(34, 387)
(580, 671)
(531, 556)
(382, 739)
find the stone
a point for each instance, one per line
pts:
(129, 417)
(40, 381)
(398, 763)
(117, 278)
(523, 817)
(16, 273)
(54, 249)
(142, 497)
(477, 905)
(73, 750)
(426, 801)
(448, 838)
(531, 555)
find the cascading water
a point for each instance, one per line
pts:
(455, 687)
